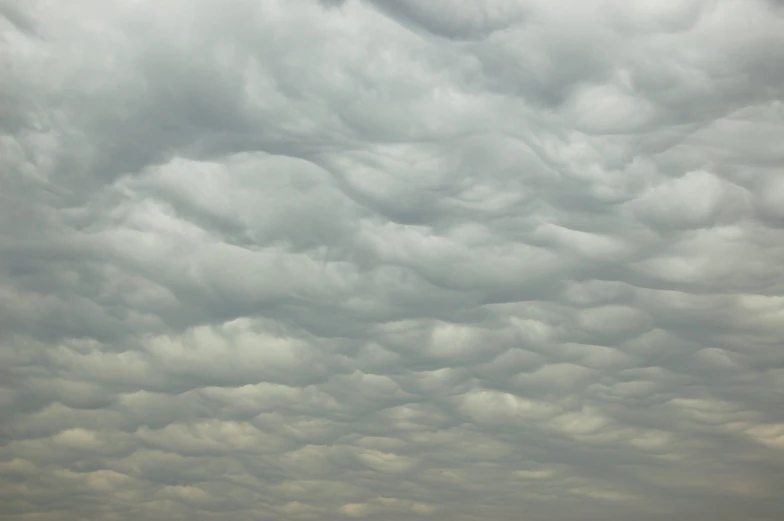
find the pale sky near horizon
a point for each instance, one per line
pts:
(445, 260)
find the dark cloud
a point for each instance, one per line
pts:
(384, 260)
(472, 20)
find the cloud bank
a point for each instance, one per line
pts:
(293, 260)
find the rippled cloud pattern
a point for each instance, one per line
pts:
(390, 260)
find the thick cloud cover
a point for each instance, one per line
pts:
(449, 260)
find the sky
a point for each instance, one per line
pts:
(391, 260)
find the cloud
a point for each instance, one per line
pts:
(375, 260)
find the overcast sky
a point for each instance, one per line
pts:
(448, 260)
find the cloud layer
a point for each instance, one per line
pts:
(292, 260)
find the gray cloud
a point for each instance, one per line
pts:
(384, 260)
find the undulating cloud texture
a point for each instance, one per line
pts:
(392, 259)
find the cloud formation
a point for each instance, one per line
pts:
(498, 259)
